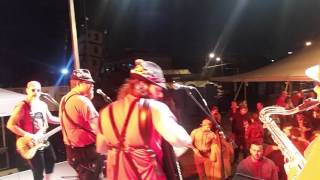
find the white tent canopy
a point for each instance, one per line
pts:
(8, 100)
(291, 68)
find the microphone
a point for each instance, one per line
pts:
(44, 94)
(307, 90)
(104, 96)
(181, 86)
(48, 97)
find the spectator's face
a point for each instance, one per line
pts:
(206, 127)
(234, 105)
(299, 117)
(256, 152)
(284, 94)
(259, 106)
(214, 111)
(287, 130)
(243, 111)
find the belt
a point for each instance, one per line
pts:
(127, 148)
(82, 147)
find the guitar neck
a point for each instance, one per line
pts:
(53, 131)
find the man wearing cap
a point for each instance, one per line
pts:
(131, 127)
(78, 117)
(29, 121)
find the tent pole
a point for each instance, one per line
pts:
(4, 143)
(238, 91)
(287, 86)
(245, 91)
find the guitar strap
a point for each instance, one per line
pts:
(28, 109)
(145, 120)
(170, 166)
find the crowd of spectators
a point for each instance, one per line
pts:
(246, 129)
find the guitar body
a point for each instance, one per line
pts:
(27, 147)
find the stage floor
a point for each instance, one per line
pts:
(62, 171)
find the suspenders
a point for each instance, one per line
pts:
(120, 135)
(144, 128)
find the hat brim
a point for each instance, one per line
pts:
(86, 80)
(137, 76)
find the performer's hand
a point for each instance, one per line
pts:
(179, 151)
(38, 137)
(275, 148)
(29, 135)
(291, 171)
(197, 152)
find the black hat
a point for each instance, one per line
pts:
(82, 75)
(149, 71)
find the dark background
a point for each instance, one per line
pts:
(35, 35)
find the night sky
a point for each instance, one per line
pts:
(35, 35)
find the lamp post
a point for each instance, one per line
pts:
(218, 59)
(75, 49)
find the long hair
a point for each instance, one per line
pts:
(133, 86)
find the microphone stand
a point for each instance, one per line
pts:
(218, 127)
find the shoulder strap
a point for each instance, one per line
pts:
(69, 118)
(63, 111)
(27, 108)
(62, 124)
(120, 135)
(145, 117)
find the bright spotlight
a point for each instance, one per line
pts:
(308, 43)
(218, 59)
(290, 52)
(211, 55)
(64, 71)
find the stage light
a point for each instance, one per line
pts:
(211, 55)
(308, 43)
(64, 71)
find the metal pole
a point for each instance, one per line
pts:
(74, 35)
(4, 143)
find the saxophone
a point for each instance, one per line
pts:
(293, 157)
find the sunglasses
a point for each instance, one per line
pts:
(86, 82)
(35, 90)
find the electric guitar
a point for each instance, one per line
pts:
(27, 147)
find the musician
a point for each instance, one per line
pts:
(30, 119)
(130, 129)
(78, 117)
(203, 138)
